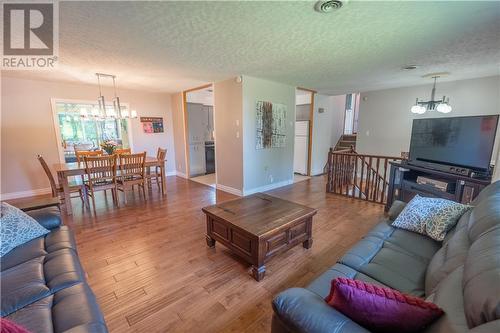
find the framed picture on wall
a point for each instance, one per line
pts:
(152, 124)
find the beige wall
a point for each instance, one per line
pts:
(228, 113)
(327, 129)
(178, 132)
(27, 128)
(266, 168)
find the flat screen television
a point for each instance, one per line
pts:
(458, 141)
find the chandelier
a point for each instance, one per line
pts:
(103, 111)
(441, 105)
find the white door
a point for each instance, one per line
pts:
(301, 147)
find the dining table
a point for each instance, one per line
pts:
(66, 170)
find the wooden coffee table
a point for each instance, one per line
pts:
(258, 227)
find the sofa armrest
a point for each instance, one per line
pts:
(396, 209)
(300, 310)
(49, 218)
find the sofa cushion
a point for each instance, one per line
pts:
(411, 242)
(300, 310)
(35, 279)
(321, 285)
(22, 285)
(432, 217)
(73, 309)
(449, 257)
(17, 228)
(59, 238)
(49, 218)
(484, 216)
(449, 298)
(389, 264)
(481, 280)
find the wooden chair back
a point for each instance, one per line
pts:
(80, 154)
(161, 154)
(123, 151)
(100, 170)
(132, 165)
(52, 181)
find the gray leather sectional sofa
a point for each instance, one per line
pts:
(461, 274)
(43, 285)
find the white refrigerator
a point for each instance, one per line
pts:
(301, 147)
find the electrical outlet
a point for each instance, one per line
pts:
(237, 134)
(271, 179)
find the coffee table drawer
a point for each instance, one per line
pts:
(298, 231)
(276, 243)
(220, 230)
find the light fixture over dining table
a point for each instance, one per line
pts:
(102, 111)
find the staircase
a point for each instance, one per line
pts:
(346, 141)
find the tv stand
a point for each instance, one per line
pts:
(403, 184)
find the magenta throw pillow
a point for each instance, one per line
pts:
(381, 309)
(7, 326)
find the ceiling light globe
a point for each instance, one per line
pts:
(415, 109)
(443, 108)
(418, 109)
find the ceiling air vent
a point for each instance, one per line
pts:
(328, 6)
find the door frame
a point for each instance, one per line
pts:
(311, 125)
(57, 131)
(186, 126)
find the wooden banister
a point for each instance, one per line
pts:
(360, 176)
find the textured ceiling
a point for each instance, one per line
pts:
(170, 46)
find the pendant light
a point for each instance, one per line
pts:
(442, 105)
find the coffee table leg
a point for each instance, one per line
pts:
(258, 272)
(307, 243)
(210, 241)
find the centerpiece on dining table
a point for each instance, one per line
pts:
(109, 146)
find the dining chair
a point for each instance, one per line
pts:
(156, 173)
(123, 151)
(101, 176)
(132, 169)
(57, 189)
(80, 154)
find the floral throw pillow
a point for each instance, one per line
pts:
(17, 228)
(432, 217)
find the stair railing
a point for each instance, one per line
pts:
(359, 176)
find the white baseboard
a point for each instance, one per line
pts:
(181, 174)
(268, 187)
(171, 173)
(24, 194)
(229, 189)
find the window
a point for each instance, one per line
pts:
(82, 133)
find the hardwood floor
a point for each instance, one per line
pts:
(151, 270)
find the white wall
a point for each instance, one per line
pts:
(266, 168)
(327, 129)
(385, 119)
(28, 128)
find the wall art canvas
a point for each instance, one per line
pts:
(271, 125)
(152, 124)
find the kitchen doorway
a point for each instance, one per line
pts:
(200, 135)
